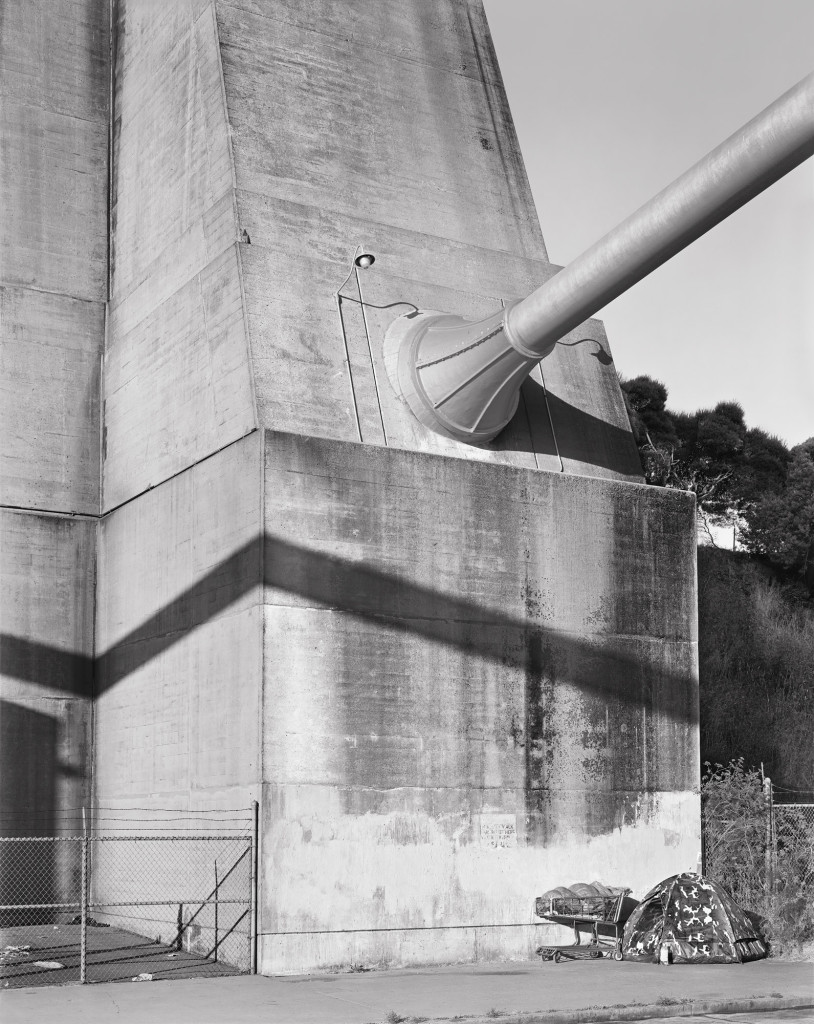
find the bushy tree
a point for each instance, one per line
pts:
(737, 474)
(780, 523)
(764, 467)
(653, 427)
(703, 452)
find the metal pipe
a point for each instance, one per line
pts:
(253, 888)
(755, 157)
(461, 378)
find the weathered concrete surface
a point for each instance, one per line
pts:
(530, 993)
(53, 283)
(53, 251)
(49, 400)
(177, 376)
(390, 129)
(179, 640)
(459, 676)
(54, 122)
(46, 650)
(480, 682)
(179, 678)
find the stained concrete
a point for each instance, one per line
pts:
(478, 680)
(453, 676)
(179, 633)
(391, 131)
(49, 400)
(53, 285)
(46, 650)
(177, 381)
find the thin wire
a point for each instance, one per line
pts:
(370, 353)
(151, 810)
(372, 305)
(551, 420)
(352, 268)
(338, 299)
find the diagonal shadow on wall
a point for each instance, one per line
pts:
(360, 590)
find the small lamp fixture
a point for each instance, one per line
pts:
(365, 260)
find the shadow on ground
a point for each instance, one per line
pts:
(113, 955)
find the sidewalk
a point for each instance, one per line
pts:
(507, 993)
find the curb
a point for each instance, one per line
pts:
(642, 1011)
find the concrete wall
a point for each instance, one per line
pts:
(53, 251)
(179, 639)
(177, 377)
(387, 126)
(46, 656)
(480, 682)
(458, 676)
(53, 284)
(179, 677)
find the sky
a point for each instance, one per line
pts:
(614, 99)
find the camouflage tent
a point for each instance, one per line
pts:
(691, 919)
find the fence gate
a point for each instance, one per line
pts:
(118, 907)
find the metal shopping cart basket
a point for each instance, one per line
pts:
(591, 909)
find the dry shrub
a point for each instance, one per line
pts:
(756, 667)
(778, 888)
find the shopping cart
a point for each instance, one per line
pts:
(591, 909)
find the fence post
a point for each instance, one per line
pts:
(253, 884)
(83, 939)
(769, 844)
(217, 886)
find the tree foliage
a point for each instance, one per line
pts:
(738, 474)
(780, 524)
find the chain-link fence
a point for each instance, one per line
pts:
(106, 907)
(761, 850)
(793, 841)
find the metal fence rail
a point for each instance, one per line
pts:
(108, 907)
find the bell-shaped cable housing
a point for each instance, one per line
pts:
(461, 378)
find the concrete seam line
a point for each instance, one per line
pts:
(180, 472)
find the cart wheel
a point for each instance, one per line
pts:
(617, 955)
(596, 954)
(556, 957)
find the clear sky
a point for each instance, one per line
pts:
(612, 100)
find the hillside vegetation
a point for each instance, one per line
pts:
(756, 668)
(756, 606)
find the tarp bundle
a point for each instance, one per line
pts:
(581, 898)
(690, 919)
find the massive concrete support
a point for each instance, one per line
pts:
(53, 285)
(479, 680)
(453, 676)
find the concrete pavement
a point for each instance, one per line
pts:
(507, 992)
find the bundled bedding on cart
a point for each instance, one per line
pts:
(691, 919)
(587, 907)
